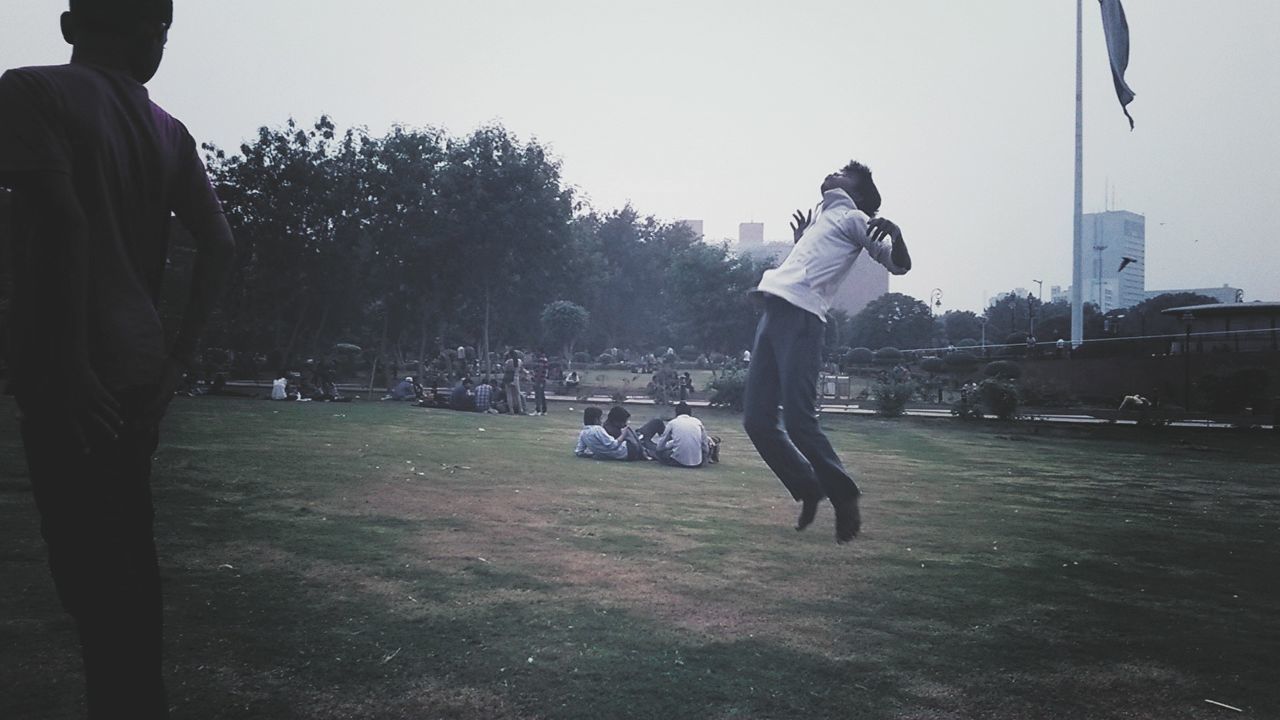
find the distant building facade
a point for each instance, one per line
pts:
(695, 226)
(750, 233)
(1115, 259)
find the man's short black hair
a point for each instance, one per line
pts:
(121, 14)
(868, 199)
(682, 408)
(618, 415)
(591, 416)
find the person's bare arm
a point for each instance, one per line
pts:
(60, 256)
(878, 228)
(215, 251)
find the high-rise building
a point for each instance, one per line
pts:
(867, 281)
(750, 233)
(695, 227)
(1115, 252)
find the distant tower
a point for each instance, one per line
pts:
(867, 281)
(1113, 240)
(750, 233)
(695, 227)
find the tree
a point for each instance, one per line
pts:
(707, 305)
(1147, 317)
(961, 324)
(1055, 322)
(507, 228)
(623, 255)
(562, 323)
(893, 320)
(1012, 313)
(290, 204)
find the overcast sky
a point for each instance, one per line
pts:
(733, 111)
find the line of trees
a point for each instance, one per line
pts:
(414, 241)
(906, 323)
(418, 240)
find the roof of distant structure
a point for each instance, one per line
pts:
(1264, 309)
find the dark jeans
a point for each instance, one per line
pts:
(785, 361)
(96, 519)
(540, 397)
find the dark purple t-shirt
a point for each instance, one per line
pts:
(133, 166)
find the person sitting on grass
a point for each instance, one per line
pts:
(640, 445)
(685, 442)
(594, 442)
(460, 397)
(484, 397)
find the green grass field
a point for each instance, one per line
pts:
(373, 560)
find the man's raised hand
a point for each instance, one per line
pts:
(799, 222)
(878, 228)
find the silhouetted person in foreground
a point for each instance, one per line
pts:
(96, 170)
(787, 354)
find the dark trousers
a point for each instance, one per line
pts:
(96, 519)
(785, 361)
(540, 397)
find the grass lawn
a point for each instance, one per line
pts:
(374, 560)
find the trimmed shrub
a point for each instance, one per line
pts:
(1044, 394)
(999, 397)
(1003, 370)
(1017, 345)
(888, 356)
(961, 359)
(860, 356)
(967, 343)
(728, 390)
(1235, 391)
(891, 396)
(582, 357)
(933, 365)
(605, 359)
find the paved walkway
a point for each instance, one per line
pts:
(1032, 415)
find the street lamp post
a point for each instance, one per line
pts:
(935, 300)
(983, 322)
(1186, 363)
(1039, 303)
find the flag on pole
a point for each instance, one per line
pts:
(1116, 29)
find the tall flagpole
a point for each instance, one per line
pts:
(1077, 252)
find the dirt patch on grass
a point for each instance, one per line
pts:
(541, 532)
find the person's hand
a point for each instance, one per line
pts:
(799, 222)
(91, 411)
(879, 228)
(170, 378)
